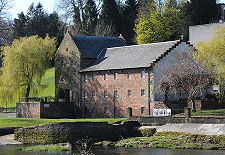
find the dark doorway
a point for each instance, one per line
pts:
(67, 95)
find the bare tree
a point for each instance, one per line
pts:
(105, 30)
(185, 77)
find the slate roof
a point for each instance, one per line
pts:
(91, 46)
(136, 56)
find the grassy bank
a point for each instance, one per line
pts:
(25, 122)
(42, 148)
(172, 140)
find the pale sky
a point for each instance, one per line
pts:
(23, 5)
(19, 6)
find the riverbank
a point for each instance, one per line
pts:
(171, 140)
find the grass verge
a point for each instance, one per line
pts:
(172, 140)
(42, 148)
(25, 122)
(210, 112)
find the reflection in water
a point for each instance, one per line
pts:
(11, 150)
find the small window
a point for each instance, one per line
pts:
(62, 64)
(143, 74)
(106, 111)
(93, 94)
(62, 79)
(93, 110)
(67, 49)
(115, 94)
(115, 76)
(71, 78)
(129, 75)
(73, 95)
(93, 77)
(71, 63)
(106, 94)
(129, 93)
(116, 110)
(142, 92)
(106, 77)
(85, 77)
(85, 94)
(142, 110)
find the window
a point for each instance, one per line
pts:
(71, 63)
(115, 94)
(93, 77)
(106, 94)
(142, 110)
(85, 94)
(93, 110)
(71, 78)
(116, 110)
(129, 93)
(93, 94)
(115, 76)
(142, 92)
(62, 79)
(106, 111)
(62, 64)
(143, 74)
(85, 77)
(67, 49)
(129, 75)
(106, 77)
(73, 95)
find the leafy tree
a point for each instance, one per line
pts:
(24, 64)
(211, 54)
(203, 11)
(163, 23)
(90, 18)
(110, 15)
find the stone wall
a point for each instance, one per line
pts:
(164, 120)
(45, 110)
(72, 131)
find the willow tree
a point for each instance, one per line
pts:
(24, 64)
(211, 54)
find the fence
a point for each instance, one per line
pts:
(8, 110)
(37, 99)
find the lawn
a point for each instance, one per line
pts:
(49, 79)
(211, 112)
(25, 122)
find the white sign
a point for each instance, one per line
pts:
(46, 105)
(161, 112)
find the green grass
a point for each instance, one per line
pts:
(49, 79)
(210, 112)
(25, 122)
(41, 148)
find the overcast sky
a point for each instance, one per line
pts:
(23, 5)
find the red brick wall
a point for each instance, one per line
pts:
(122, 84)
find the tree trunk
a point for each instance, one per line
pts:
(28, 91)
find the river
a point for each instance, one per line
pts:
(11, 150)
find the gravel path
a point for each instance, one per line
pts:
(8, 140)
(7, 114)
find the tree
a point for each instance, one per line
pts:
(110, 15)
(20, 26)
(24, 64)
(129, 17)
(163, 23)
(90, 18)
(184, 78)
(203, 11)
(211, 54)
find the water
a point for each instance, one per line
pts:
(11, 150)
